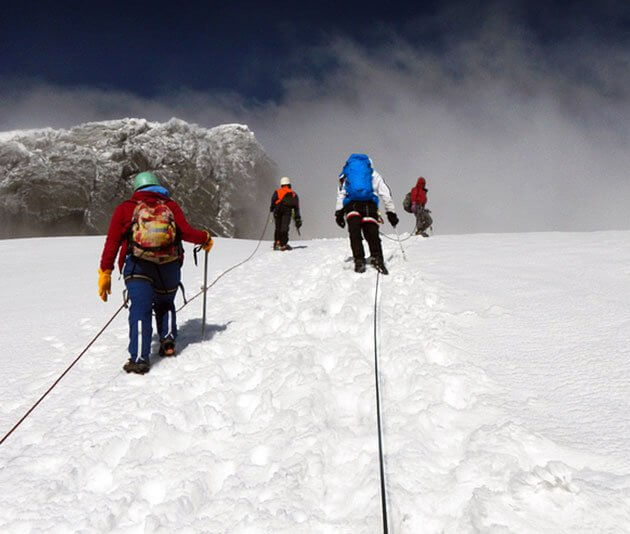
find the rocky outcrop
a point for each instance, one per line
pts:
(66, 182)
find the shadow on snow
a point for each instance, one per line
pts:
(188, 334)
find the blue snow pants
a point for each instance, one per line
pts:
(150, 287)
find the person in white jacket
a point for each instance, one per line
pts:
(360, 188)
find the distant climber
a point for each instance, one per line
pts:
(415, 202)
(148, 229)
(360, 187)
(285, 204)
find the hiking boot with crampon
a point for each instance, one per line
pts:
(139, 367)
(379, 265)
(359, 265)
(167, 347)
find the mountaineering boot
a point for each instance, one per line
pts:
(167, 347)
(379, 265)
(359, 265)
(287, 247)
(140, 367)
(276, 245)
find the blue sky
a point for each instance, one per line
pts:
(250, 48)
(153, 47)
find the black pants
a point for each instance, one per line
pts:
(362, 218)
(282, 218)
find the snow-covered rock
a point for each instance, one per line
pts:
(68, 181)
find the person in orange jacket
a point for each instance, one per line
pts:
(148, 230)
(284, 204)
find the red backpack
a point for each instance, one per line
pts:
(153, 234)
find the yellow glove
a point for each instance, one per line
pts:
(208, 244)
(104, 283)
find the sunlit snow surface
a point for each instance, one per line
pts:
(505, 392)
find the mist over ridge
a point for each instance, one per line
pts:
(511, 132)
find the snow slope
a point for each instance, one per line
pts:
(505, 390)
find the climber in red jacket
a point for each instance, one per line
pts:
(415, 202)
(148, 229)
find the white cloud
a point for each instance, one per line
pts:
(511, 136)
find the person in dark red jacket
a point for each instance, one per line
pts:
(148, 230)
(415, 202)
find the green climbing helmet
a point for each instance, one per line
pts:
(145, 179)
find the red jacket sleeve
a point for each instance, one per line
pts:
(118, 226)
(187, 232)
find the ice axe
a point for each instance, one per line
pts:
(296, 226)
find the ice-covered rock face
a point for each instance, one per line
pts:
(66, 182)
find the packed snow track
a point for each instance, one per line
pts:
(504, 376)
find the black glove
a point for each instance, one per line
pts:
(392, 218)
(341, 222)
(298, 222)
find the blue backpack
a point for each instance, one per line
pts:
(358, 179)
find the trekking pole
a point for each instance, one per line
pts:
(205, 293)
(399, 242)
(296, 226)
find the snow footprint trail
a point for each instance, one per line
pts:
(455, 460)
(269, 425)
(319, 393)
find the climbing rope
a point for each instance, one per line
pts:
(381, 461)
(411, 234)
(200, 292)
(64, 373)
